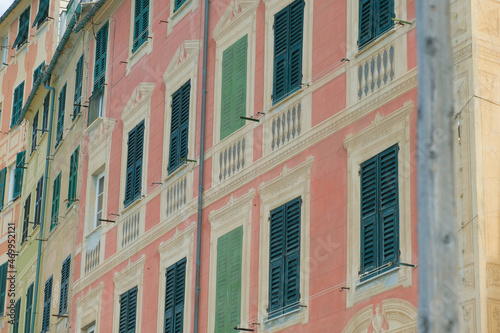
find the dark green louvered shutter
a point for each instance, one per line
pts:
(375, 17)
(27, 207)
(73, 176)
(228, 281)
(369, 194)
(60, 115)
(295, 46)
(133, 182)
(384, 16)
(47, 297)
(128, 309)
(284, 258)
(17, 103)
(174, 297)
(365, 21)
(29, 305)
(3, 286)
(24, 25)
(178, 4)
(38, 72)
(3, 177)
(38, 202)
(234, 84)
(45, 117)
(65, 271)
(56, 189)
(43, 12)
(179, 133)
(141, 20)
(281, 35)
(78, 87)
(101, 43)
(17, 310)
(389, 208)
(19, 173)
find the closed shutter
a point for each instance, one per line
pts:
(101, 43)
(17, 104)
(19, 173)
(65, 271)
(60, 115)
(27, 206)
(3, 286)
(133, 182)
(174, 297)
(55, 202)
(179, 133)
(365, 21)
(46, 103)
(234, 84)
(17, 309)
(295, 46)
(369, 196)
(284, 258)
(29, 305)
(375, 17)
(78, 87)
(389, 211)
(47, 298)
(38, 72)
(128, 309)
(38, 202)
(178, 4)
(141, 20)
(73, 177)
(3, 177)
(228, 281)
(281, 35)
(34, 133)
(384, 15)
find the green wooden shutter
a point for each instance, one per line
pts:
(3, 286)
(179, 132)
(78, 87)
(100, 56)
(38, 202)
(55, 202)
(38, 72)
(122, 326)
(19, 173)
(389, 210)
(133, 182)
(17, 310)
(178, 4)
(60, 115)
(369, 194)
(228, 281)
(276, 269)
(384, 16)
(139, 145)
(43, 11)
(234, 84)
(63, 298)
(34, 133)
(17, 103)
(281, 35)
(128, 309)
(29, 305)
(46, 103)
(24, 25)
(174, 297)
(3, 177)
(365, 21)
(47, 297)
(295, 47)
(27, 206)
(141, 21)
(73, 177)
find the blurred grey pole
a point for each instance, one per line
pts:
(438, 293)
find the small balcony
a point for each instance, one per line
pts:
(96, 105)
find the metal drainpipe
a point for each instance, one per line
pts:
(44, 195)
(202, 160)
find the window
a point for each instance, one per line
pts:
(73, 177)
(3, 286)
(288, 31)
(43, 13)
(17, 104)
(46, 103)
(234, 87)
(379, 213)
(63, 298)
(179, 129)
(60, 115)
(34, 132)
(141, 20)
(99, 199)
(133, 183)
(56, 189)
(174, 297)
(5, 50)
(284, 258)
(178, 4)
(38, 72)
(47, 297)
(17, 309)
(38, 202)
(228, 284)
(375, 17)
(90, 329)
(24, 27)
(12, 182)
(27, 206)
(3, 179)
(128, 309)
(19, 173)
(78, 87)
(29, 305)
(96, 101)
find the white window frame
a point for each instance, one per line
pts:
(12, 179)
(147, 46)
(176, 17)
(5, 52)
(289, 185)
(381, 134)
(99, 191)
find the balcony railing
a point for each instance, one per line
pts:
(96, 105)
(131, 228)
(176, 195)
(231, 157)
(93, 251)
(286, 125)
(376, 71)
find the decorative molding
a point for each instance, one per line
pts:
(236, 11)
(179, 240)
(493, 273)
(188, 51)
(233, 209)
(469, 316)
(493, 315)
(142, 93)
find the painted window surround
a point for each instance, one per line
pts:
(88, 309)
(147, 46)
(381, 134)
(237, 212)
(291, 183)
(181, 245)
(178, 15)
(128, 278)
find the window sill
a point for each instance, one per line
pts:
(21, 48)
(137, 55)
(177, 173)
(285, 320)
(126, 210)
(40, 27)
(286, 101)
(96, 229)
(376, 277)
(93, 125)
(373, 43)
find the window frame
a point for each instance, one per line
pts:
(17, 103)
(373, 28)
(178, 14)
(40, 20)
(18, 44)
(97, 187)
